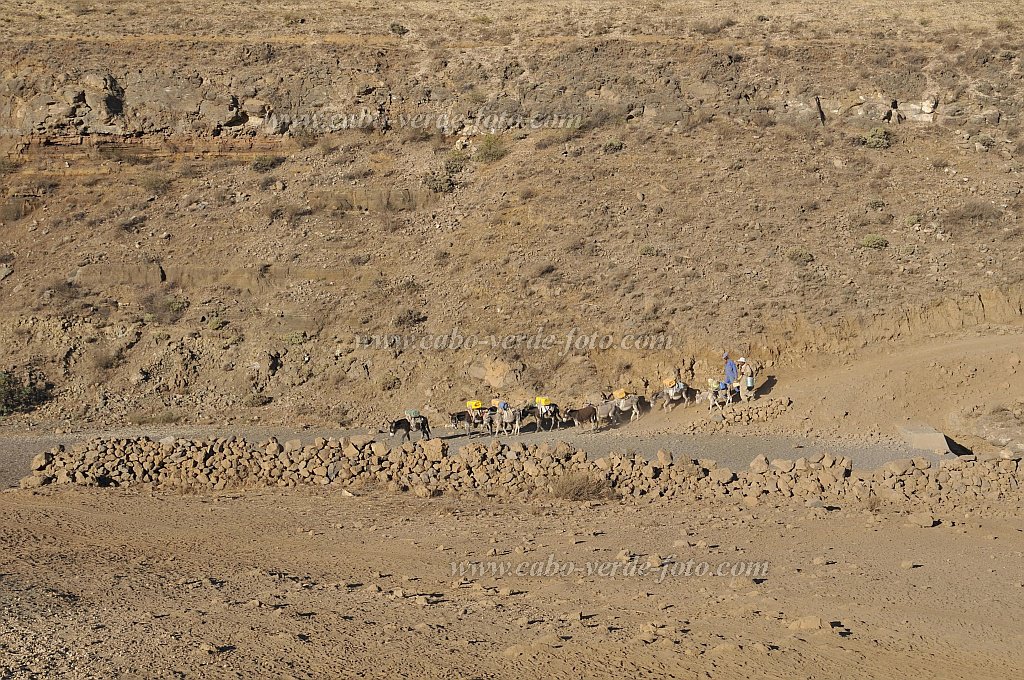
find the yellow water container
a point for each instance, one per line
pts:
(496, 403)
(668, 382)
(542, 401)
(619, 394)
(475, 404)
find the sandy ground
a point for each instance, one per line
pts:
(317, 584)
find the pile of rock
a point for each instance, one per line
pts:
(498, 468)
(760, 411)
(811, 476)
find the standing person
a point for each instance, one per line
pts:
(731, 371)
(746, 380)
(731, 378)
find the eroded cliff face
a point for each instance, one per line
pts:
(271, 223)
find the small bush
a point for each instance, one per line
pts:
(580, 487)
(154, 182)
(800, 256)
(7, 167)
(439, 183)
(876, 204)
(398, 29)
(266, 163)
(713, 26)
(613, 146)
(874, 241)
(973, 212)
(62, 291)
(409, 317)
(490, 149)
(455, 162)
(360, 259)
(163, 308)
(18, 396)
(877, 138)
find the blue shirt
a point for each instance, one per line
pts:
(731, 372)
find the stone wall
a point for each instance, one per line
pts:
(503, 469)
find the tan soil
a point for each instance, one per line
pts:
(115, 584)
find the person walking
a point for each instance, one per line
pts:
(747, 381)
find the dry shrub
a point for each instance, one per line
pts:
(267, 163)
(18, 395)
(163, 307)
(713, 26)
(973, 212)
(491, 148)
(579, 486)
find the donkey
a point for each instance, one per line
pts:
(630, 405)
(419, 424)
(470, 420)
(505, 420)
(680, 393)
(550, 414)
(606, 411)
(578, 416)
(717, 397)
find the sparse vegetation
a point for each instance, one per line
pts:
(455, 162)
(18, 395)
(874, 241)
(102, 359)
(409, 317)
(800, 256)
(267, 163)
(713, 26)
(398, 29)
(439, 183)
(613, 146)
(878, 138)
(491, 148)
(155, 182)
(973, 213)
(163, 307)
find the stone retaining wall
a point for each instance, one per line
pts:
(503, 469)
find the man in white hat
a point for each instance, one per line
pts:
(746, 379)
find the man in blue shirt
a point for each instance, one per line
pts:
(731, 372)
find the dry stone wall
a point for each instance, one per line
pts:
(429, 468)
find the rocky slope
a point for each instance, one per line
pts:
(205, 219)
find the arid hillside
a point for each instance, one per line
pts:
(211, 215)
